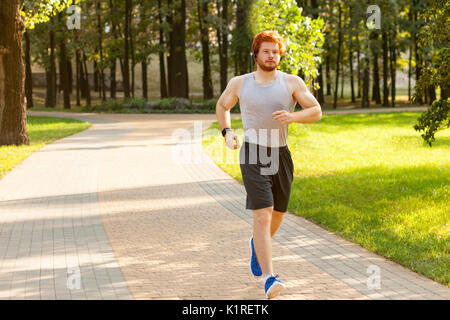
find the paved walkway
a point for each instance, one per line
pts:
(108, 214)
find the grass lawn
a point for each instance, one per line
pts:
(371, 179)
(41, 130)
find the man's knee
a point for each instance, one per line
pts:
(262, 217)
(278, 214)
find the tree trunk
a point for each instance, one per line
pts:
(350, 58)
(64, 73)
(50, 101)
(320, 95)
(13, 117)
(162, 50)
(202, 8)
(144, 79)
(242, 38)
(365, 103)
(222, 37)
(409, 73)
(376, 75)
(170, 45)
(78, 75)
(338, 60)
(327, 72)
(133, 60)
(358, 65)
(178, 77)
(419, 97)
(342, 73)
(100, 45)
(112, 67)
(29, 74)
(70, 76)
(393, 61)
(113, 83)
(385, 69)
(87, 86)
(125, 65)
(96, 82)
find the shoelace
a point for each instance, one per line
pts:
(272, 279)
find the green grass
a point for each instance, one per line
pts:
(371, 179)
(41, 130)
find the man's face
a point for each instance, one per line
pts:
(268, 56)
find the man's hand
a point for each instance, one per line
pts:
(283, 116)
(230, 138)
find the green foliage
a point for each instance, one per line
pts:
(433, 38)
(165, 104)
(434, 119)
(303, 35)
(35, 11)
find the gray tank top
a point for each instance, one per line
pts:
(258, 102)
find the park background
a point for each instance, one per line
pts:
(383, 186)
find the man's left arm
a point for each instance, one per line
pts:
(311, 112)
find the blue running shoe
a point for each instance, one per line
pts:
(273, 287)
(254, 265)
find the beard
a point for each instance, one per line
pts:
(267, 67)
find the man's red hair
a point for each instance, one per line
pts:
(268, 36)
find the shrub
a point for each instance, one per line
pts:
(434, 119)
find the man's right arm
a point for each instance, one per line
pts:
(227, 101)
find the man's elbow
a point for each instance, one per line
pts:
(319, 113)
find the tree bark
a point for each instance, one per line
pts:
(376, 75)
(125, 65)
(64, 73)
(144, 79)
(87, 86)
(13, 117)
(242, 38)
(222, 37)
(162, 50)
(385, 69)
(365, 103)
(202, 8)
(178, 77)
(28, 72)
(393, 61)
(78, 76)
(51, 79)
(418, 59)
(358, 65)
(350, 58)
(113, 87)
(327, 72)
(100, 45)
(338, 60)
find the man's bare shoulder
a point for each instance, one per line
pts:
(235, 84)
(295, 82)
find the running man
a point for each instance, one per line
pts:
(267, 99)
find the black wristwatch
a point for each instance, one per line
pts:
(224, 131)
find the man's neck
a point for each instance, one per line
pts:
(265, 76)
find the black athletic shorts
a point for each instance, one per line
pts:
(267, 173)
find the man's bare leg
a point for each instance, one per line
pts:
(262, 240)
(277, 218)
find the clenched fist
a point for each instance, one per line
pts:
(230, 139)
